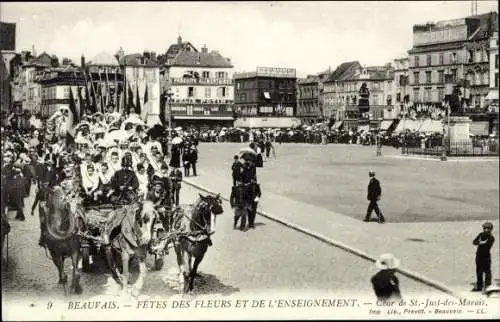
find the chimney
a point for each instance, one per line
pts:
(204, 49)
(152, 56)
(119, 54)
(146, 54)
(82, 61)
(179, 40)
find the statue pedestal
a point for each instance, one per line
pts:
(459, 134)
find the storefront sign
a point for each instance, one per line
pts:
(276, 72)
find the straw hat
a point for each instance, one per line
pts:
(387, 261)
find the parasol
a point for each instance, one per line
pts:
(115, 135)
(177, 140)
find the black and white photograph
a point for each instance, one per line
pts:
(250, 160)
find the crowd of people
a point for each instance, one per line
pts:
(136, 164)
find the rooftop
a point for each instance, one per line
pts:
(202, 59)
(104, 59)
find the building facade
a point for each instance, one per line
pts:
(308, 109)
(7, 36)
(55, 85)
(142, 85)
(200, 84)
(26, 91)
(342, 94)
(402, 87)
(455, 51)
(492, 98)
(266, 98)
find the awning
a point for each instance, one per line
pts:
(385, 125)
(364, 128)
(492, 95)
(202, 117)
(431, 126)
(479, 128)
(267, 95)
(406, 124)
(337, 125)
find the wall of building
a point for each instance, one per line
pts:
(267, 122)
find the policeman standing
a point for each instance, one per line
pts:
(483, 241)
(374, 193)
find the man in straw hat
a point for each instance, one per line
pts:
(374, 193)
(484, 241)
(385, 283)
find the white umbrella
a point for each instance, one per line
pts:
(116, 135)
(177, 140)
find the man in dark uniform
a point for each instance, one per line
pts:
(124, 183)
(374, 193)
(483, 241)
(246, 176)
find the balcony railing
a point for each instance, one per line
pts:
(200, 81)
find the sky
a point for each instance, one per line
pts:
(308, 36)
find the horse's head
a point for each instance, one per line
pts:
(207, 206)
(144, 220)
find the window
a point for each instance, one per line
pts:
(486, 78)
(221, 75)
(243, 97)
(30, 93)
(496, 79)
(190, 91)
(208, 92)
(398, 97)
(453, 58)
(427, 95)
(428, 77)
(66, 92)
(205, 74)
(415, 78)
(429, 60)
(477, 80)
(440, 93)
(441, 59)
(453, 75)
(417, 61)
(441, 76)
(415, 95)
(496, 61)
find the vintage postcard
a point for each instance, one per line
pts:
(249, 160)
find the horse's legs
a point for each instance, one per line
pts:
(59, 262)
(193, 273)
(125, 275)
(140, 280)
(75, 284)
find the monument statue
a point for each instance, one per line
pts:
(364, 99)
(456, 102)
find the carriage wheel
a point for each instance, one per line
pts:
(85, 259)
(158, 262)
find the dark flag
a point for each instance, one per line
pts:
(138, 102)
(130, 104)
(88, 109)
(72, 107)
(146, 95)
(163, 104)
(81, 105)
(94, 101)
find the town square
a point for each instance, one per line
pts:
(194, 179)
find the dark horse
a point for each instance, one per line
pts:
(194, 243)
(60, 236)
(129, 236)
